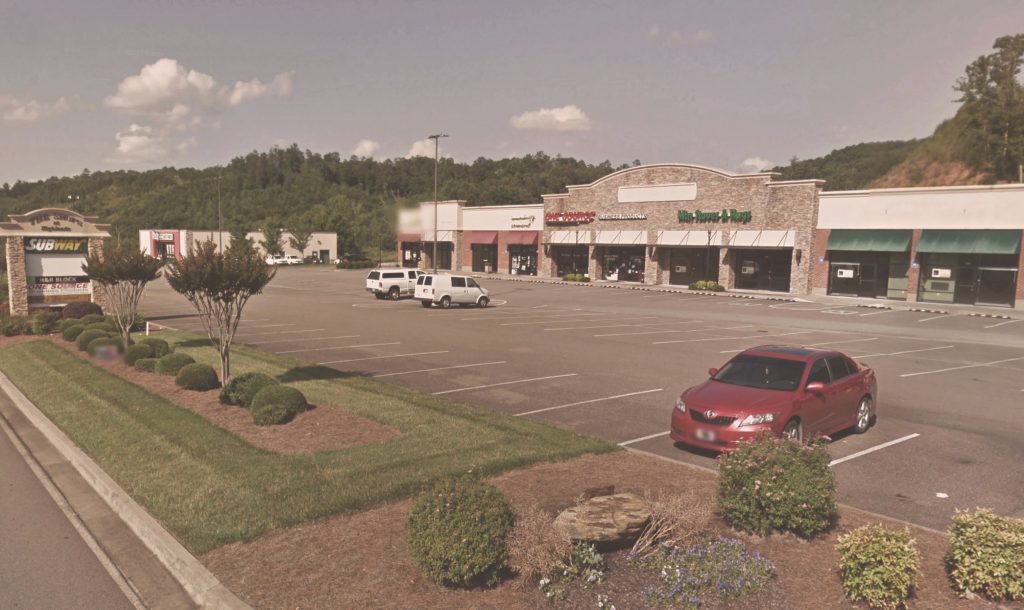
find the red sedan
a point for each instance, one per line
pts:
(796, 392)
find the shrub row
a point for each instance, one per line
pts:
(355, 264)
(711, 285)
(42, 322)
(242, 388)
(576, 277)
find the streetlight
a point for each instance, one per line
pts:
(436, 138)
(220, 219)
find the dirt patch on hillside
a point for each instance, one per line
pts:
(361, 560)
(322, 428)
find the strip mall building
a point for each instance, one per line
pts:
(676, 224)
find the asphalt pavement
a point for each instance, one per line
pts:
(610, 361)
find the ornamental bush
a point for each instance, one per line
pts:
(77, 309)
(878, 566)
(772, 484)
(96, 344)
(172, 363)
(242, 388)
(276, 404)
(198, 377)
(723, 569)
(93, 318)
(71, 333)
(66, 324)
(145, 364)
(106, 327)
(160, 347)
(87, 336)
(134, 352)
(699, 285)
(986, 554)
(44, 322)
(11, 326)
(457, 532)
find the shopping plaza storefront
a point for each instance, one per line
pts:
(674, 224)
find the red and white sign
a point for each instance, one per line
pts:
(569, 218)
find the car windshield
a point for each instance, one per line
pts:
(761, 372)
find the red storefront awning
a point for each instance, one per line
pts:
(409, 237)
(523, 238)
(482, 237)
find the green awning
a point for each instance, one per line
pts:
(970, 242)
(870, 240)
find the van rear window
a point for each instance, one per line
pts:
(393, 276)
(428, 280)
(374, 275)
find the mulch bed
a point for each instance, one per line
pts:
(361, 560)
(322, 428)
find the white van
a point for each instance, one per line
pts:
(448, 290)
(392, 283)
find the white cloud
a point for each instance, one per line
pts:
(566, 118)
(176, 101)
(366, 148)
(421, 148)
(26, 110)
(756, 164)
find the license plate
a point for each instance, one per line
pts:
(707, 436)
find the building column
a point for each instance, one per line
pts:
(820, 263)
(595, 266)
(544, 258)
(99, 293)
(652, 266)
(502, 264)
(17, 280)
(914, 273)
(725, 275)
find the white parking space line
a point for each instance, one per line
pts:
(693, 330)
(842, 341)
(442, 368)
(877, 313)
(604, 326)
(873, 449)
(587, 402)
(909, 351)
(270, 326)
(324, 349)
(538, 307)
(799, 332)
(644, 438)
(384, 357)
(286, 332)
(494, 385)
(309, 339)
(615, 319)
(958, 368)
(1004, 323)
(934, 318)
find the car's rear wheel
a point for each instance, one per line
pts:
(426, 303)
(394, 293)
(794, 431)
(445, 302)
(483, 302)
(863, 416)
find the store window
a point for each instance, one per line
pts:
(869, 274)
(522, 260)
(762, 269)
(570, 259)
(485, 257)
(624, 264)
(688, 265)
(412, 253)
(982, 279)
(444, 254)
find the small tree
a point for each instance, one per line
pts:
(299, 239)
(123, 271)
(219, 285)
(273, 241)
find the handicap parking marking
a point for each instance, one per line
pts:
(873, 449)
(503, 383)
(966, 366)
(442, 368)
(587, 402)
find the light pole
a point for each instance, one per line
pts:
(220, 219)
(436, 138)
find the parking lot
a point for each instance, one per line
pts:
(610, 361)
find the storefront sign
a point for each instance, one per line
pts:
(622, 217)
(523, 222)
(55, 222)
(164, 236)
(569, 218)
(58, 289)
(731, 215)
(56, 245)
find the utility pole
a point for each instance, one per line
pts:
(436, 138)
(220, 219)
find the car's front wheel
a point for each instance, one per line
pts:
(794, 431)
(445, 302)
(863, 416)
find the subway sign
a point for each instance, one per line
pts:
(56, 245)
(730, 215)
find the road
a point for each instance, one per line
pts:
(609, 362)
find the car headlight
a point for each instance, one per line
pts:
(759, 418)
(681, 405)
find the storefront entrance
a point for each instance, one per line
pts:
(623, 264)
(969, 279)
(763, 269)
(522, 260)
(570, 259)
(688, 265)
(412, 253)
(869, 274)
(485, 257)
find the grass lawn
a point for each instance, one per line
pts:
(209, 487)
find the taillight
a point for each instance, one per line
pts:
(380, 284)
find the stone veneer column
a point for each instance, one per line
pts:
(725, 276)
(17, 281)
(914, 273)
(99, 294)
(820, 263)
(595, 267)
(652, 265)
(544, 252)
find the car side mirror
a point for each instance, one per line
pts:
(815, 387)
(712, 372)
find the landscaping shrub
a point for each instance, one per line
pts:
(714, 286)
(878, 565)
(723, 569)
(77, 309)
(160, 347)
(198, 377)
(457, 532)
(356, 265)
(93, 318)
(95, 344)
(71, 333)
(11, 326)
(986, 554)
(242, 388)
(44, 322)
(172, 363)
(773, 484)
(276, 404)
(536, 548)
(106, 327)
(66, 324)
(146, 364)
(699, 285)
(134, 352)
(88, 336)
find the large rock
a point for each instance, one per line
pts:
(606, 519)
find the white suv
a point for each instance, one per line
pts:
(392, 283)
(446, 290)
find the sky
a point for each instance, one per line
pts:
(739, 85)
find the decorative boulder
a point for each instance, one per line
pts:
(609, 520)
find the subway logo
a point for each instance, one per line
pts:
(57, 245)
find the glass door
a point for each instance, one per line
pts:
(996, 286)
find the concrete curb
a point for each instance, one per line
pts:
(640, 288)
(201, 585)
